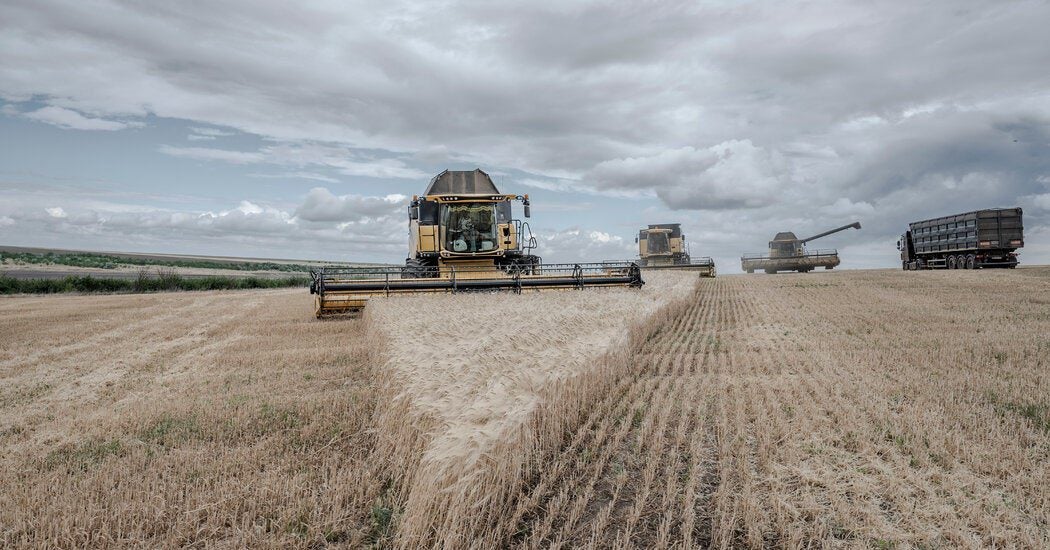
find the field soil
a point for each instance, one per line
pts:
(844, 409)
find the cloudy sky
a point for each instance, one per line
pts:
(257, 129)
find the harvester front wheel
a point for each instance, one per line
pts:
(417, 269)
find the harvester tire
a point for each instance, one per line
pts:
(416, 269)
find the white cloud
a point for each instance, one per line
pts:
(372, 229)
(297, 175)
(344, 160)
(210, 132)
(204, 153)
(72, 120)
(846, 207)
(1041, 201)
(582, 245)
(321, 205)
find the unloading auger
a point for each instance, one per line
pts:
(463, 238)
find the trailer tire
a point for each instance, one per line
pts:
(971, 262)
(951, 262)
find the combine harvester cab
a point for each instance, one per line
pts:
(663, 246)
(463, 238)
(788, 253)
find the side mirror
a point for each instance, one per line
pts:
(636, 240)
(413, 212)
(528, 211)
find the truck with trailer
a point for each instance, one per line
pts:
(972, 240)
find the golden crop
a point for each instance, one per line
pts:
(847, 409)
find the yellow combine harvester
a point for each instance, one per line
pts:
(463, 237)
(663, 246)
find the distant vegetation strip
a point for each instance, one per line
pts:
(144, 283)
(107, 261)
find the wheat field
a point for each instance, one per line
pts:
(852, 410)
(846, 410)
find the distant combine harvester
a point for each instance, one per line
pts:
(788, 253)
(663, 246)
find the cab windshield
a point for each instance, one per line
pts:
(469, 227)
(783, 248)
(658, 244)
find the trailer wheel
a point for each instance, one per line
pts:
(951, 262)
(971, 262)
